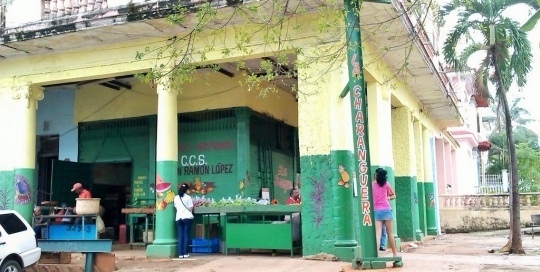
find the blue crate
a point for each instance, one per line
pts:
(44, 232)
(201, 245)
(72, 232)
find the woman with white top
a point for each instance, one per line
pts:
(184, 217)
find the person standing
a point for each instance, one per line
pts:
(39, 222)
(382, 246)
(184, 217)
(382, 193)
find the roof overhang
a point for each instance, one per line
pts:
(401, 42)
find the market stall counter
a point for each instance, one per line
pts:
(273, 227)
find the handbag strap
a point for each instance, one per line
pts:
(185, 206)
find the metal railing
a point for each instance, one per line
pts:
(491, 184)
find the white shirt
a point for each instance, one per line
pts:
(181, 211)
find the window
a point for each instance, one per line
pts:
(11, 223)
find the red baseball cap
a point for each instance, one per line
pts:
(76, 186)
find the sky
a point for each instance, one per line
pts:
(531, 91)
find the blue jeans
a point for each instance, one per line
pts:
(183, 227)
(383, 236)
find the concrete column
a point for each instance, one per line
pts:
(449, 175)
(380, 138)
(329, 215)
(420, 173)
(431, 196)
(166, 171)
(441, 167)
(24, 155)
(406, 180)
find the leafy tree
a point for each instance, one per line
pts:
(519, 115)
(482, 27)
(527, 153)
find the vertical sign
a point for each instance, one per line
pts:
(359, 121)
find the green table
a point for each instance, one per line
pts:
(256, 226)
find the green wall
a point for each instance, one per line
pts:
(330, 210)
(207, 160)
(7, 193)
(124, 140)
(317, 224)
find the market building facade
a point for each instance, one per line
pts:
(68, 81)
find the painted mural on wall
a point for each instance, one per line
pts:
(281, 181)
(431, 200)
(7, 190)
(164, 193)
(207, 163)
(22, 190)
(344, 177)
(317, 195)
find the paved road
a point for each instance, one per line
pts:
(451, 252)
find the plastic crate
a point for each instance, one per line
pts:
(44, 232)
(72, 232)
(201, 245)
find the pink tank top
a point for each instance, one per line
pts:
(380, 197)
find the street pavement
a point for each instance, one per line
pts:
(447, 252)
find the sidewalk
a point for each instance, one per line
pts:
(452, 252)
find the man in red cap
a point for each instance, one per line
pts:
(79, 190)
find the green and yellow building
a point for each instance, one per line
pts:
(71, 109)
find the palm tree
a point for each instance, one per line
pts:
(518, 115)
(529, 25)
(481, 26)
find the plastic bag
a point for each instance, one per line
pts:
(100, 225)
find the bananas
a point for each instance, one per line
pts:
(169, 197)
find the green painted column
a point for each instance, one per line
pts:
(431, 223)
(242, 147)
(24, 158)
(326, 160)
(430, 188)
(164, 244)
(357, 95)
(421, 207)
(342, 193)
(406, 181)
(380, 139)
(405, 207)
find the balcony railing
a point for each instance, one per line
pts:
(60, 8)
(486, 201)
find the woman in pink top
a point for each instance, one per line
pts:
(382, 192)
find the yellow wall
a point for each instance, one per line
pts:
(325, 121)
(403, 142)
(8, 127)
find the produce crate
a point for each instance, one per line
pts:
(200, 245)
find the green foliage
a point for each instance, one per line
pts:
(529, 25)
(527, 153)
(266, 27)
